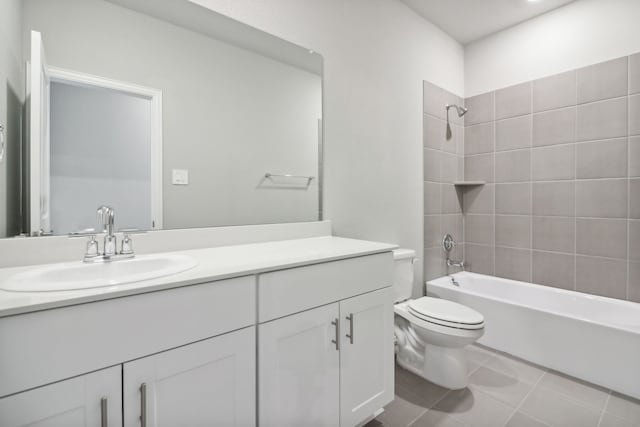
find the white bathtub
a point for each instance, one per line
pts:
(593, 338)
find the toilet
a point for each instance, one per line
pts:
(431, 333)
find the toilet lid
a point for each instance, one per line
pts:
(438, 309)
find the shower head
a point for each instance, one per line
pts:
(460, 110)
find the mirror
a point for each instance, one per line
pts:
(174, 115)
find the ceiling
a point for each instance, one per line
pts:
(470, 20)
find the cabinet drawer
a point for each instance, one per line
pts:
(281, 293)
(42, 347)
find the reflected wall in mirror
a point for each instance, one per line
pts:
(170, 113)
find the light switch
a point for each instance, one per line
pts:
(180, 176)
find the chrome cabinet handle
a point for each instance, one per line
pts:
(143, 404)
(104, 422)
(336, 323)
(350, 334)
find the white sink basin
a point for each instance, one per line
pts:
(78, 275)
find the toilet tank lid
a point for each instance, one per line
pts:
(399, 254)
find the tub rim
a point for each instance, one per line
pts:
(543, 310)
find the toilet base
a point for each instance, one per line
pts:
(446, 367)
(443, 365)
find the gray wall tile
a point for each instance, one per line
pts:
(555, 234)
(449, 170)
(431, 164)
(513, 231)
(634, 156)
(433, 263)
(513, 166)
(513, 264)
(553, 269)
(634, 115)
(479, 200)
(601, 276)
(432, 230)
(554, 198)
(602, 120)
(554, 127)
(452, 224)
(602, 81)
(433, 130)
(634, 240)
(601, 237)
(513, 199)
(451, 199)
(634, 73)
(479, 167)
(432, 198)
(479, 258)
(478, 139)
(433, 100)
(453, 143)
(634, 198)
(602, 159)
(514, 133)
(553, 163)
(513, 101)
(601, 198)
(553, 92)
(479, 229)
(634, 281)
(480, 109)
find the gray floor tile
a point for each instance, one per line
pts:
(475, 408)
(557, 410)
(609, 420)
(437, 419)
(517, 368)
(580, 391)
(400, 413)
(624, 407)
(521, 420)
(503, 387)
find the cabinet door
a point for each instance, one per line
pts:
(299, 370)
(207, 383)
(91, 400)
(366, 355)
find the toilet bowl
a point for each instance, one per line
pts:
(431, 333)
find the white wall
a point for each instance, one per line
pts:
(582, 33)
(11, 98)
(376, 55)
(229, 115)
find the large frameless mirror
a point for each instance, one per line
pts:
(173, 115)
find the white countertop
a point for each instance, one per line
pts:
(213, 264)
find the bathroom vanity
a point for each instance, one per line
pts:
(285, 333)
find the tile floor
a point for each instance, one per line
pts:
(506, 392)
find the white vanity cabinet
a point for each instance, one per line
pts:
(208, 383)
(90, 400)
(310, 345)
(330, 365)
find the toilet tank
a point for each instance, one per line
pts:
(403, 274)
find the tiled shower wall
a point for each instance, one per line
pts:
(561, 158)
(443, 165)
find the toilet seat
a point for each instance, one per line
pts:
(445, 313)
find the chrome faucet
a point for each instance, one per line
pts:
(448, 244)
(106, 216)
(106, 219)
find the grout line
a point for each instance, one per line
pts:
(531, 193)
(628, 284)
(604, 408)
(575, 199)
(517, 408)
(493, 95)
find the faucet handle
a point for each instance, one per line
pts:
(92, 248)
(127, 245)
